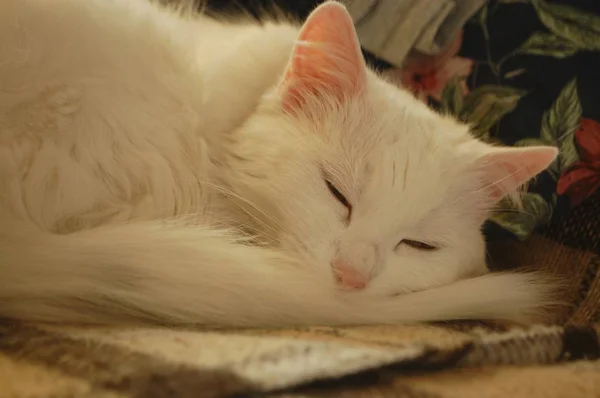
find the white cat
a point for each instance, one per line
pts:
(162, 167)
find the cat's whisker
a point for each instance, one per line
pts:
(236, 196)
(513, 211)
(223, 221)
(501, 180)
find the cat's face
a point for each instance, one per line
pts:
(380, 187)
(372, 189)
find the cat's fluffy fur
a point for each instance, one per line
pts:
(169, 168)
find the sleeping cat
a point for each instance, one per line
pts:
(159, 166)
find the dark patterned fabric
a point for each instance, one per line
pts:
(548, 60)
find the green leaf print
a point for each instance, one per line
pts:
(486, 105)
(522, 222)
(535, 210)
(547, 44)
(452, 97)
(482, 18)
(558, 125)
(582, 29)
(531, 142)
(514, 73)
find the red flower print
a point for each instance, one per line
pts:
(582, 179)
(427, 75)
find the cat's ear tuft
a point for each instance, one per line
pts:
(326, 59)
(504, 170)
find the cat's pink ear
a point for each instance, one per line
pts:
(504, 170)
(326, 59)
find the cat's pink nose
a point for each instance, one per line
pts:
(349, 277)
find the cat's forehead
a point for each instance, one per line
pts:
(413, 142)
(392, 117)
(405, 165)
(415, 166)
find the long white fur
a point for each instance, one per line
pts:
(149, 272)
(118, 115)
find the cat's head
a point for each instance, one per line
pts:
(371, 188)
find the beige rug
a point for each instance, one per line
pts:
(452, 360)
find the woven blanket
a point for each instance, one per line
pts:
(415, 361)
(558, 358)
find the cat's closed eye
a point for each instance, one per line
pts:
(415, 244)
(339, 196)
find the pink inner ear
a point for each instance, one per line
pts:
(506, 169)
(326, 60)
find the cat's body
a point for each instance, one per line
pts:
(156, 167)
